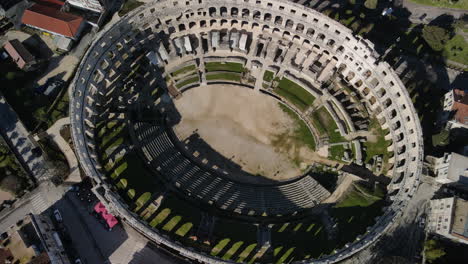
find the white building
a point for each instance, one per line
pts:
(455, 109)
(93, 5)
(452, 168)
(448, 217)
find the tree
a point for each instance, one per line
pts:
(371, 4)
(433, 250)
(435, 36)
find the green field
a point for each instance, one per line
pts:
(460, 4)
(336, 152)
(184, 70)
(379, 147)
(188, 81)
(325, 124)
(268, 76)
(228, 66)
(294, 93)
(228, 76)
(456, 49)
(302, 134)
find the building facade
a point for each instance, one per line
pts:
(452, 168)
(448, 217)
(455, 109)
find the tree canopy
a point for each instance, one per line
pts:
(433, 250)
(435, 36)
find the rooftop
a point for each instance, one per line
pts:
(460, 106)
(53, 20)
(460, 219)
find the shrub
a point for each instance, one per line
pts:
(435, 36)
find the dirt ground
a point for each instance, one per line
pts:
(242, 125)
(4, 196)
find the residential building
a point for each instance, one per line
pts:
(451, 169)
(54, 21)
(19, 54)
(13, 9)
(92, 5)
(448, 217)
(455, 108)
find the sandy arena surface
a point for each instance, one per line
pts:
(242, 125)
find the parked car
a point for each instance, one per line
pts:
(58, 216)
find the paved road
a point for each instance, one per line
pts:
(37, 201)
(54, 134)
(425, 13)
(16, 135)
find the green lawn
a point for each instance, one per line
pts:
(294, 93)
(228, 66)
(188, 81)
(336, 152)
(228, 76)
(129, 6)
(302, 133)
(13, 178)
(325, 124)
(361, 196)
(268, 76)
(460, 4)
(379, 147)
(184, 70)
(356, 212)
(456, 49)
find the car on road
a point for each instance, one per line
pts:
(58, 216)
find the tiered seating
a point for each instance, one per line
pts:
(211, 187)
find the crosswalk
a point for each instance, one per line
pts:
(38, 203)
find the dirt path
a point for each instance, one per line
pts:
(243, 125)
(342, 188)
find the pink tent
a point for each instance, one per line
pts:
(110, 220)
(100, 208)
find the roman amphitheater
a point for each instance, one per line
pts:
(245, 131)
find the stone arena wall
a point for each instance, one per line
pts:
(286, 26)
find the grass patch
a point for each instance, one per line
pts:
(172, 223)
(379, 147)
(188, 81)
(129, 6)
(232, 250)
(302, 134)
(184, 229)
(268, 76)
(184, 70)
(246, 252)
(460, 4)
(220, 66)
(336, 152)
(160, 217)
(325, 124)
(294, 93)
(361, 196)
(224, 76)
(456, 49)
(221, 244)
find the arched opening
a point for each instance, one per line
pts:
(192, 24)
(331, 43)
(234, 11)
(181, 27)
(223, 22)
(300, 28)
(212, 11)
(223, 11)
(278, 20)
(289, 23)
(267, 17)
(245, 12)
(257, 15)
(310, 32)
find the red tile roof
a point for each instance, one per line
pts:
(53, 20)
(460, 106)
